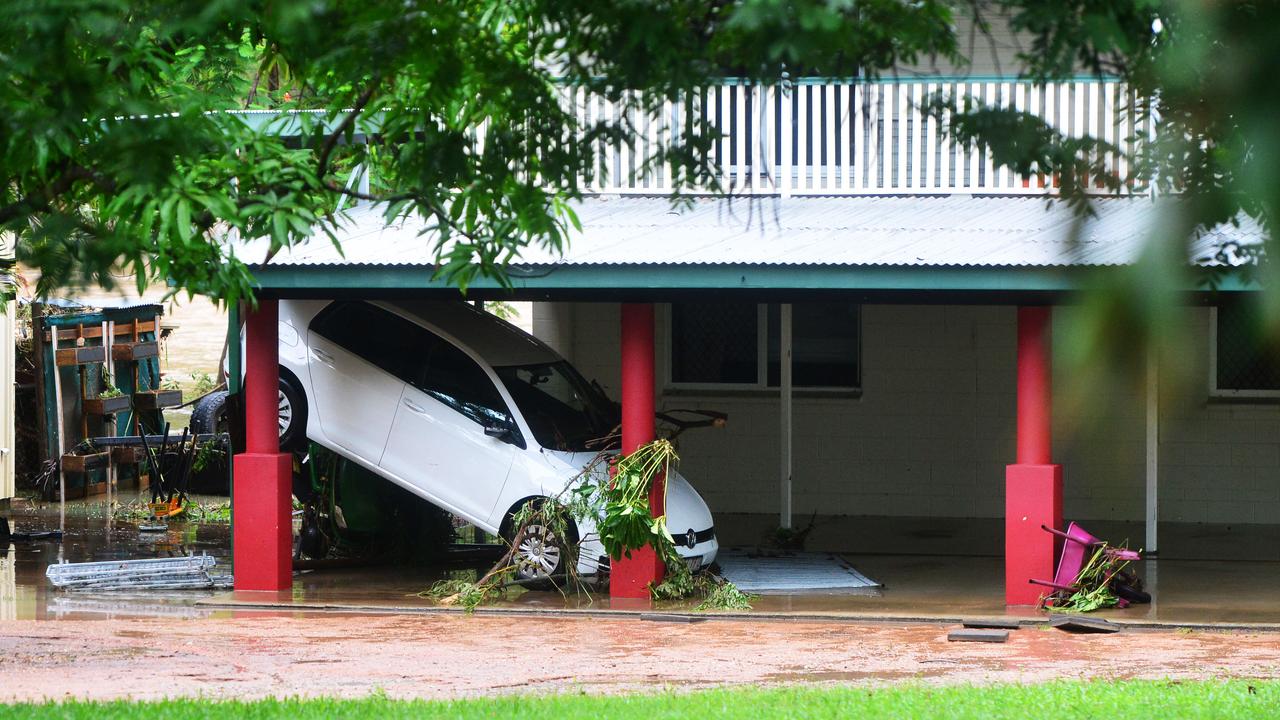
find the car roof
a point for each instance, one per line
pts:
(495, 340)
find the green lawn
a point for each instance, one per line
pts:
(1053, 701)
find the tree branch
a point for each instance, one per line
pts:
(322, 167)
(70, 174)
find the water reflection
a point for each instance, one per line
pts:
(8, 585)
(25, 593)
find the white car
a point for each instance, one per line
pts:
(462, 409)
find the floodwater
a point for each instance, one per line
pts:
(25, 593)
(355, 631)
(931, 588)
(91, 536)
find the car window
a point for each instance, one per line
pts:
(379, 336)
(454, 379)
(562, 409)
(417, 356)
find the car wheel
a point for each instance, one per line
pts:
(541, 557)
(210, 414)
(292, 415)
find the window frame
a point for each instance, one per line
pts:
(761, 386)
(325, 316)
(416, 376)
(1227, 394)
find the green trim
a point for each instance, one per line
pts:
(233, 348)
(678, 277)
(579, 279)
(912, 79)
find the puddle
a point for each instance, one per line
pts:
(25, 593)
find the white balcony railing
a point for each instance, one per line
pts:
(861, 138)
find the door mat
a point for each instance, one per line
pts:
(793, 572)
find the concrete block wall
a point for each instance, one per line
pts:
(934, 428)
(1219, 460)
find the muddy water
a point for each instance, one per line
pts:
(25, 593)
(90, 536)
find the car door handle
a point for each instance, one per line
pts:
(322, 356)
(415, 407)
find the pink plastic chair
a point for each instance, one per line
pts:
(1077, 546)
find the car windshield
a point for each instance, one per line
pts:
(563, 410)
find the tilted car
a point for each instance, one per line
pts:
(462, 409)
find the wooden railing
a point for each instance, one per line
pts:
(821, 137)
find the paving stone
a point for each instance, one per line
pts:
(993, 623)
(1082, 624)
(987, 635)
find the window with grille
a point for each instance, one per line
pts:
(719, 345)
(1245, 359)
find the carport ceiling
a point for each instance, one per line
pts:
(944, 248)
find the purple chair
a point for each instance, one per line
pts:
(1077, 545)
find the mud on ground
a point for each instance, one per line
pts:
(255, 654)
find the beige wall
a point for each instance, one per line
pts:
(993, 52)
(934, 428)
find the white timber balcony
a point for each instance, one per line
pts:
(825, 137)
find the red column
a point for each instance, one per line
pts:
(261, 521)
(1033, 486)
(630, 577)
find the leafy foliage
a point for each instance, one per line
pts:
(463, 593)
(617, 503)
(1093, 587)
(118, 152)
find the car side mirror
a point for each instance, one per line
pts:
(505, 432)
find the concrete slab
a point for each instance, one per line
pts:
(978, 635)
(993, 623)
(1082, 624)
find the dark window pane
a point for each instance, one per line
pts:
(457, 381)
(562, 409)
(1247, 358)
(713, 343)
(824, 345)
(381, 337)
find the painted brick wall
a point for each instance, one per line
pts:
(934, 428)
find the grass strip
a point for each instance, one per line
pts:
(1099, 699)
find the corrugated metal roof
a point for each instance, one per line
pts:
(947, 231)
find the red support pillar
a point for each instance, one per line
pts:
(262, 526)
(1033, 486)
(630, 577)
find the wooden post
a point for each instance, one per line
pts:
(37, 346)
(57, 413)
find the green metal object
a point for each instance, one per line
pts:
(655, 280)
(148, 368)
(233, 349)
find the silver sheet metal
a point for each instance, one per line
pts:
(793, 572)
(191, 572)
(921, 231)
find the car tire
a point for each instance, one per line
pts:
(209, 415)
(293, 415)
(540, 557)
